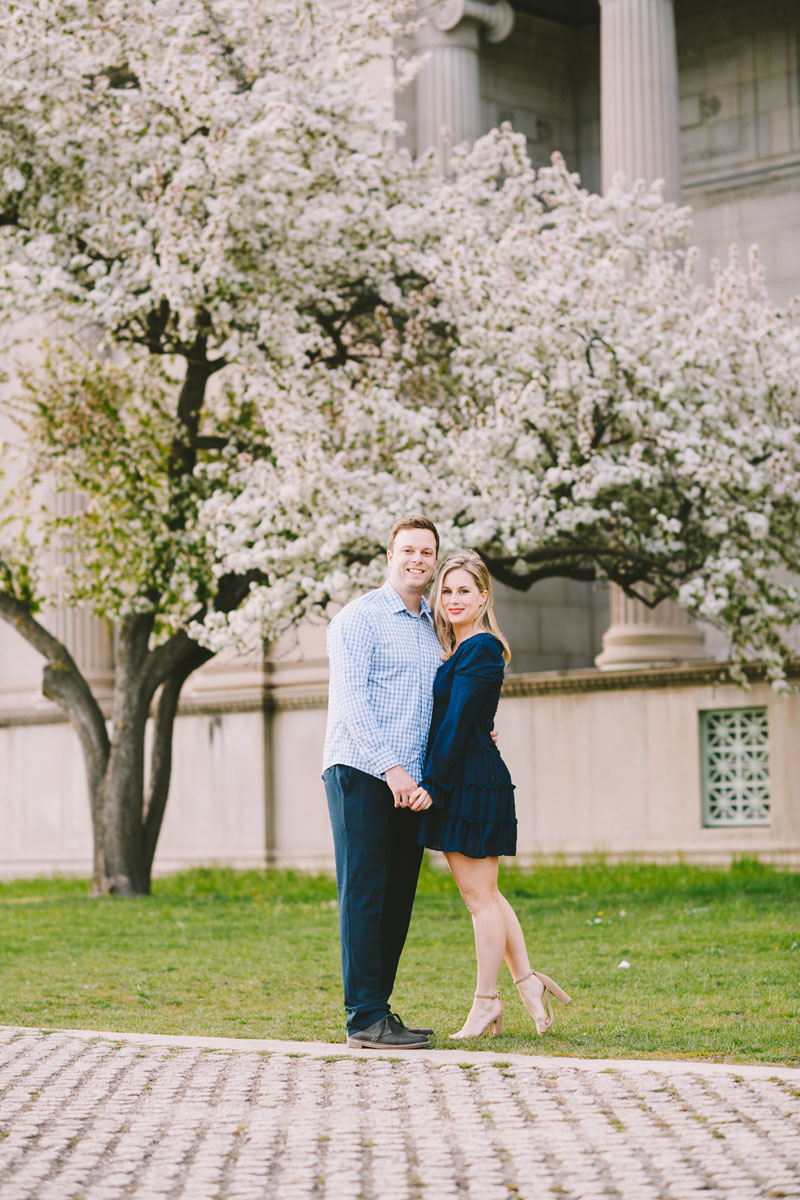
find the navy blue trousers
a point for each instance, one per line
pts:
(377, 866)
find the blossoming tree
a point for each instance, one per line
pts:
(602, 414)
(198, 201)
(271, 330)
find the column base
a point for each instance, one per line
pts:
(637, 645)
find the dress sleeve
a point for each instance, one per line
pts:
(351, 645)
(480, 668)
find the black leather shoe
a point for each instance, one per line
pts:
(396, 1019)
(387, 1034)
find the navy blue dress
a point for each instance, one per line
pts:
(473, 796)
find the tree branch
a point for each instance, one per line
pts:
(63, 683)
(503, 573)
(177, 651)
(134, 632)
(161, 752)
(211, 442)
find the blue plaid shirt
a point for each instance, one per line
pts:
(383, 662)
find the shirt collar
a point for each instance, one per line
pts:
(396, 604)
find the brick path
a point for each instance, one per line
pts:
(86, 1116)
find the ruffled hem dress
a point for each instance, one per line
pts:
(473, 797)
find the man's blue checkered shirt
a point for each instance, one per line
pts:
(383, 662)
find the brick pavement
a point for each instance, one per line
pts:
(87, 1116)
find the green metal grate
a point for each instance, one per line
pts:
(735, 749)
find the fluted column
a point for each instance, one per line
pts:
(86, 636)
(640, 137)
(638, 635)
(639, 92)
(448, 85)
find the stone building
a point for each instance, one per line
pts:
(618, 726)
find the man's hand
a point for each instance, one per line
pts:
(494, 735)
(419, 800)
(402, 785)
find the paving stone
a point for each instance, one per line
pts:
(113, 1117)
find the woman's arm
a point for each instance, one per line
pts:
(480, 667)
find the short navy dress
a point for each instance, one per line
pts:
(473, 796)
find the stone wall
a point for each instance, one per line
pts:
(603, 764)
(739, 77)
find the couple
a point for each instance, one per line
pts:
(410, 762)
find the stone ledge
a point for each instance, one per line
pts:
(631, 678)
(537, 683)
(733, 179)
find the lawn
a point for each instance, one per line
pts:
(714, 959)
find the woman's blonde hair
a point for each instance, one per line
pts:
(474, 565)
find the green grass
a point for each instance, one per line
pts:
(714, 954)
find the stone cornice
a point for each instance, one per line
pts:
(544, 683)
(733, 179)
(703, 674)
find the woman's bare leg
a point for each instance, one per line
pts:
(477, 883)
(498, 936)
(516, 953)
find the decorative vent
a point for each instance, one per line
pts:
(735, 750)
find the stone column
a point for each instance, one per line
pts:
(448, 85)
(86, 636)
(640, 132)
(88, 640)
(638, 635)
(639, 92)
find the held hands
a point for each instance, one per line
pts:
(405, 791)
(419, 800)
(402, 785)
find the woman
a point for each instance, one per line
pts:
(466, 796)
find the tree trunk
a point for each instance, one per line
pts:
(119, 803)
(125, 823)
(120, 829)
(130, 821)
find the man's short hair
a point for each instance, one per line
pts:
(413, 523)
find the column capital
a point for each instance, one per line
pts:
(496, 19)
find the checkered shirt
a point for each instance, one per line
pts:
(383, 662)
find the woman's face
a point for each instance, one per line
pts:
(461, 599)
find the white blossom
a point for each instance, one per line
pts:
(204, 182)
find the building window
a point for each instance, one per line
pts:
(735, 751)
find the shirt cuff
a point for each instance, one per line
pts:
(384, 759)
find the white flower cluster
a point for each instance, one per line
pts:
(206, 187)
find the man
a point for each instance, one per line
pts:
(384, 655)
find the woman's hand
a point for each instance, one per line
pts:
(419, 800)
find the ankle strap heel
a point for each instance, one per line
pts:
(541, 1007)
(478, 1022)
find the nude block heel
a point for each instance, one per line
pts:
(544, 1018)
(493, 1022)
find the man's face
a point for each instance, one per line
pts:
(412, 560)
